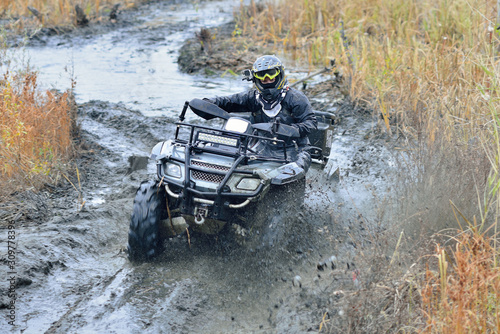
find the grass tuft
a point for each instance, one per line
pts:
(57, 13)
(36, 131)
(463, 296)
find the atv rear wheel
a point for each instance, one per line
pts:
(145, 240)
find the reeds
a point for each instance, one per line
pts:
(36, 131)
(463, 296)
(411, 61)
(56, 13)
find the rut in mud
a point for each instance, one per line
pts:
(73, 275)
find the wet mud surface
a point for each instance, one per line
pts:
(73, 275)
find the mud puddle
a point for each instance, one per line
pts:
(137, 64)
(73, 275)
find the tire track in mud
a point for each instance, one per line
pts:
(117, 304)
(57, 324)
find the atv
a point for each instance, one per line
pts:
(212, 179)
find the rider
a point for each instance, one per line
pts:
(271, 100)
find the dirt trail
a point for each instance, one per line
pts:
(73, 275)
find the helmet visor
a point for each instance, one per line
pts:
(270, 73)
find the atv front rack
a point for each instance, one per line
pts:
(218, 142)
(240, 146)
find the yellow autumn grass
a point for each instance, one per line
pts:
(430, 70)
(413, 61)
(36, 133)
(57, 12)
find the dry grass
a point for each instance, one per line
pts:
(36, 131)
(430, 70)
(463, 294)
(56, 13)
(415, 63)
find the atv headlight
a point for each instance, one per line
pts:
(173, 170)
(248, 184)
(237, 125)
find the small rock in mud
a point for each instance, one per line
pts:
(23, 281)
(297, 281)
(332, 261)
(321, 265)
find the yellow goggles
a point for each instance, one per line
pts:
(270, 73)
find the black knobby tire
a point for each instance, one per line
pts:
(145, 240)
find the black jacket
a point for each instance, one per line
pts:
(295, 110)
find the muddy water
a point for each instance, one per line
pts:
(137, 65)
(74, 274)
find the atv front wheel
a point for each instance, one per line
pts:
(144, 237)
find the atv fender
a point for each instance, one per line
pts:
(156, 151)
(285, 174)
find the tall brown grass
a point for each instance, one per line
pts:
(36, 131)
(57, 12)
(463, 295)
(429, 70)
(414, 62)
